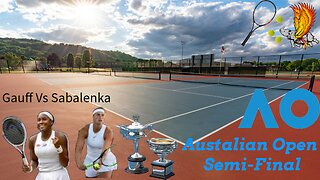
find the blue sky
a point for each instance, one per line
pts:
(151, 28)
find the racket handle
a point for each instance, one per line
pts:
(25, 161)
(88, 165)
(247, 38)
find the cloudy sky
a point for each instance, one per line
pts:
(153, 28)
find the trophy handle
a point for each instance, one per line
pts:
(149, 128)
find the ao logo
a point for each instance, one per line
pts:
(259, 102)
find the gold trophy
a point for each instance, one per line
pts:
(162, 168)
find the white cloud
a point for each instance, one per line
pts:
(34, 3)
(314, 3)
(205, 27)
(68, 34)
(45, 10)
(155, 28)
(5, 5)
(201, 25)
(148, 8)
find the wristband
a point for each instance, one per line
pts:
(59, 150)
(31, 169)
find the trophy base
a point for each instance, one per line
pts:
(135, 165)
(162, 170)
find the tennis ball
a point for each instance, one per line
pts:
(96, 166)
(278, 39)
(271, 33)
(279, 19)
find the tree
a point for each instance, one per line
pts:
(290, 67)
(86, 58)
(78, 62)
(284, 65)
(315, 66)
(53, 60)
(13, 60)
(307, 64)
(70, 60)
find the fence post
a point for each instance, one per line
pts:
(201, 61)
(258, 65)
(211, 58)
(192, 61)
(299, 68)
(225, 65)
(278, 66)
(240, 65)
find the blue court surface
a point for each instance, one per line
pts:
(176, 109)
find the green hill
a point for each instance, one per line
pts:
(31, 48)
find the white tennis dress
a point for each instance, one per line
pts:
(95, 145)
(48, 160)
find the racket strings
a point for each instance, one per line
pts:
(264, 13)
(14, 133)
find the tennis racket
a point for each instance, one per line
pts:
(257, 21)
(99, 158)
(15, 133)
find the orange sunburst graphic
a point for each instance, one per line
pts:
(304, 18)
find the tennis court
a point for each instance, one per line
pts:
(177, 109)
(187, 106)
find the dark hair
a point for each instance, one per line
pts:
(53, 119)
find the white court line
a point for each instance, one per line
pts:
(221, 97)
(124, 117)
(186, 92)
(42, 80)
(213, 84)
(184, 113)
(194, 87)
(205, 136)
(213, 105)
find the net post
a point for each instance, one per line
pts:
(311, 83)
(170, 75)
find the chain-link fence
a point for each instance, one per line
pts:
(292, 66)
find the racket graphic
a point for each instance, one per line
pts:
(14, 131)
(257, 21)
(98, 160)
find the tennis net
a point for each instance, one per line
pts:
(100, 71)
(156, 75)
(236, 80)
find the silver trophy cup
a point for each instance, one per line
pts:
(162, 168)
(134, 132)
